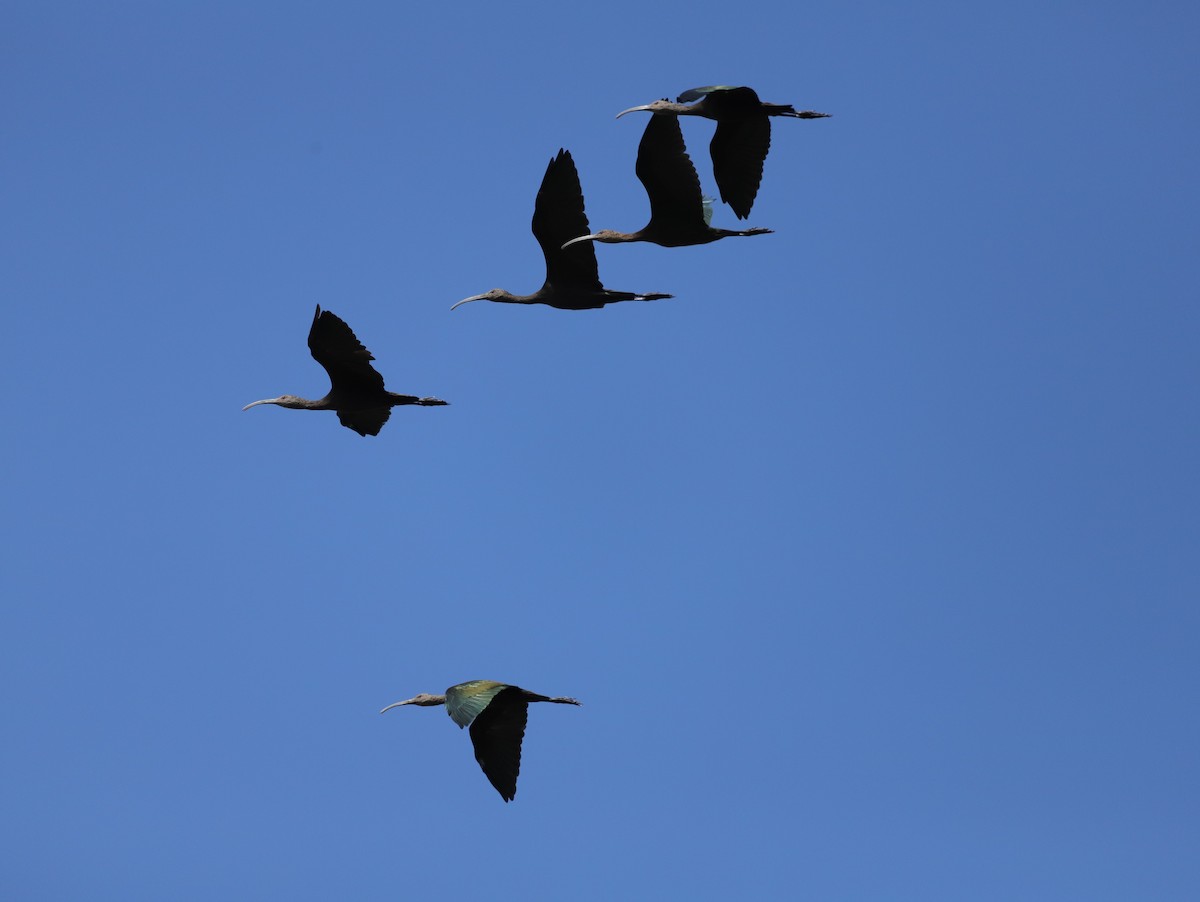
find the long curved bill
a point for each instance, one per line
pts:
(633, 109)
(263, 401)
(395, 705)
(478, 297)
(580, 238)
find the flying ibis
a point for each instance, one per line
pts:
(743, 136)
(496, 714)
(572, 277)
(356, 391)
(679, 215)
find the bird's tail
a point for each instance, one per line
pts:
(634, 296)
(558, 700)
(781, 110)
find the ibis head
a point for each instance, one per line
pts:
(290, 401)
(604, 236)
(424, 699)
(496, 294)
(659, 106)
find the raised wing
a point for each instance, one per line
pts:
(496, 735)
(666, 171)
(558, 217)
(739, 147)
(334, 346)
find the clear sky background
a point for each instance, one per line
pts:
(873, 555)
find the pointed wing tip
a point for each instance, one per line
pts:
(562, 158)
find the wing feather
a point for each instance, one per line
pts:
(666, 171)
(558, 216)
(365, 422)
(739, 147)
(466, 701)
(334, 345)
(496, 734)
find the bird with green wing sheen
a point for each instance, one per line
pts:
(496, 714)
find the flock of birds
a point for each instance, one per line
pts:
(679, 216)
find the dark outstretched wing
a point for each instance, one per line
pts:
(496, 734)
(727, 99)
(739, 147)
(557, 218)
(365, 422)
(334, 346)
(666, 171)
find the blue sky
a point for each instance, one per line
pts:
(872, 555)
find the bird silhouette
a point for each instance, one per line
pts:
(572, 277)
(356, 389)
(678, 213)
(742, 138)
